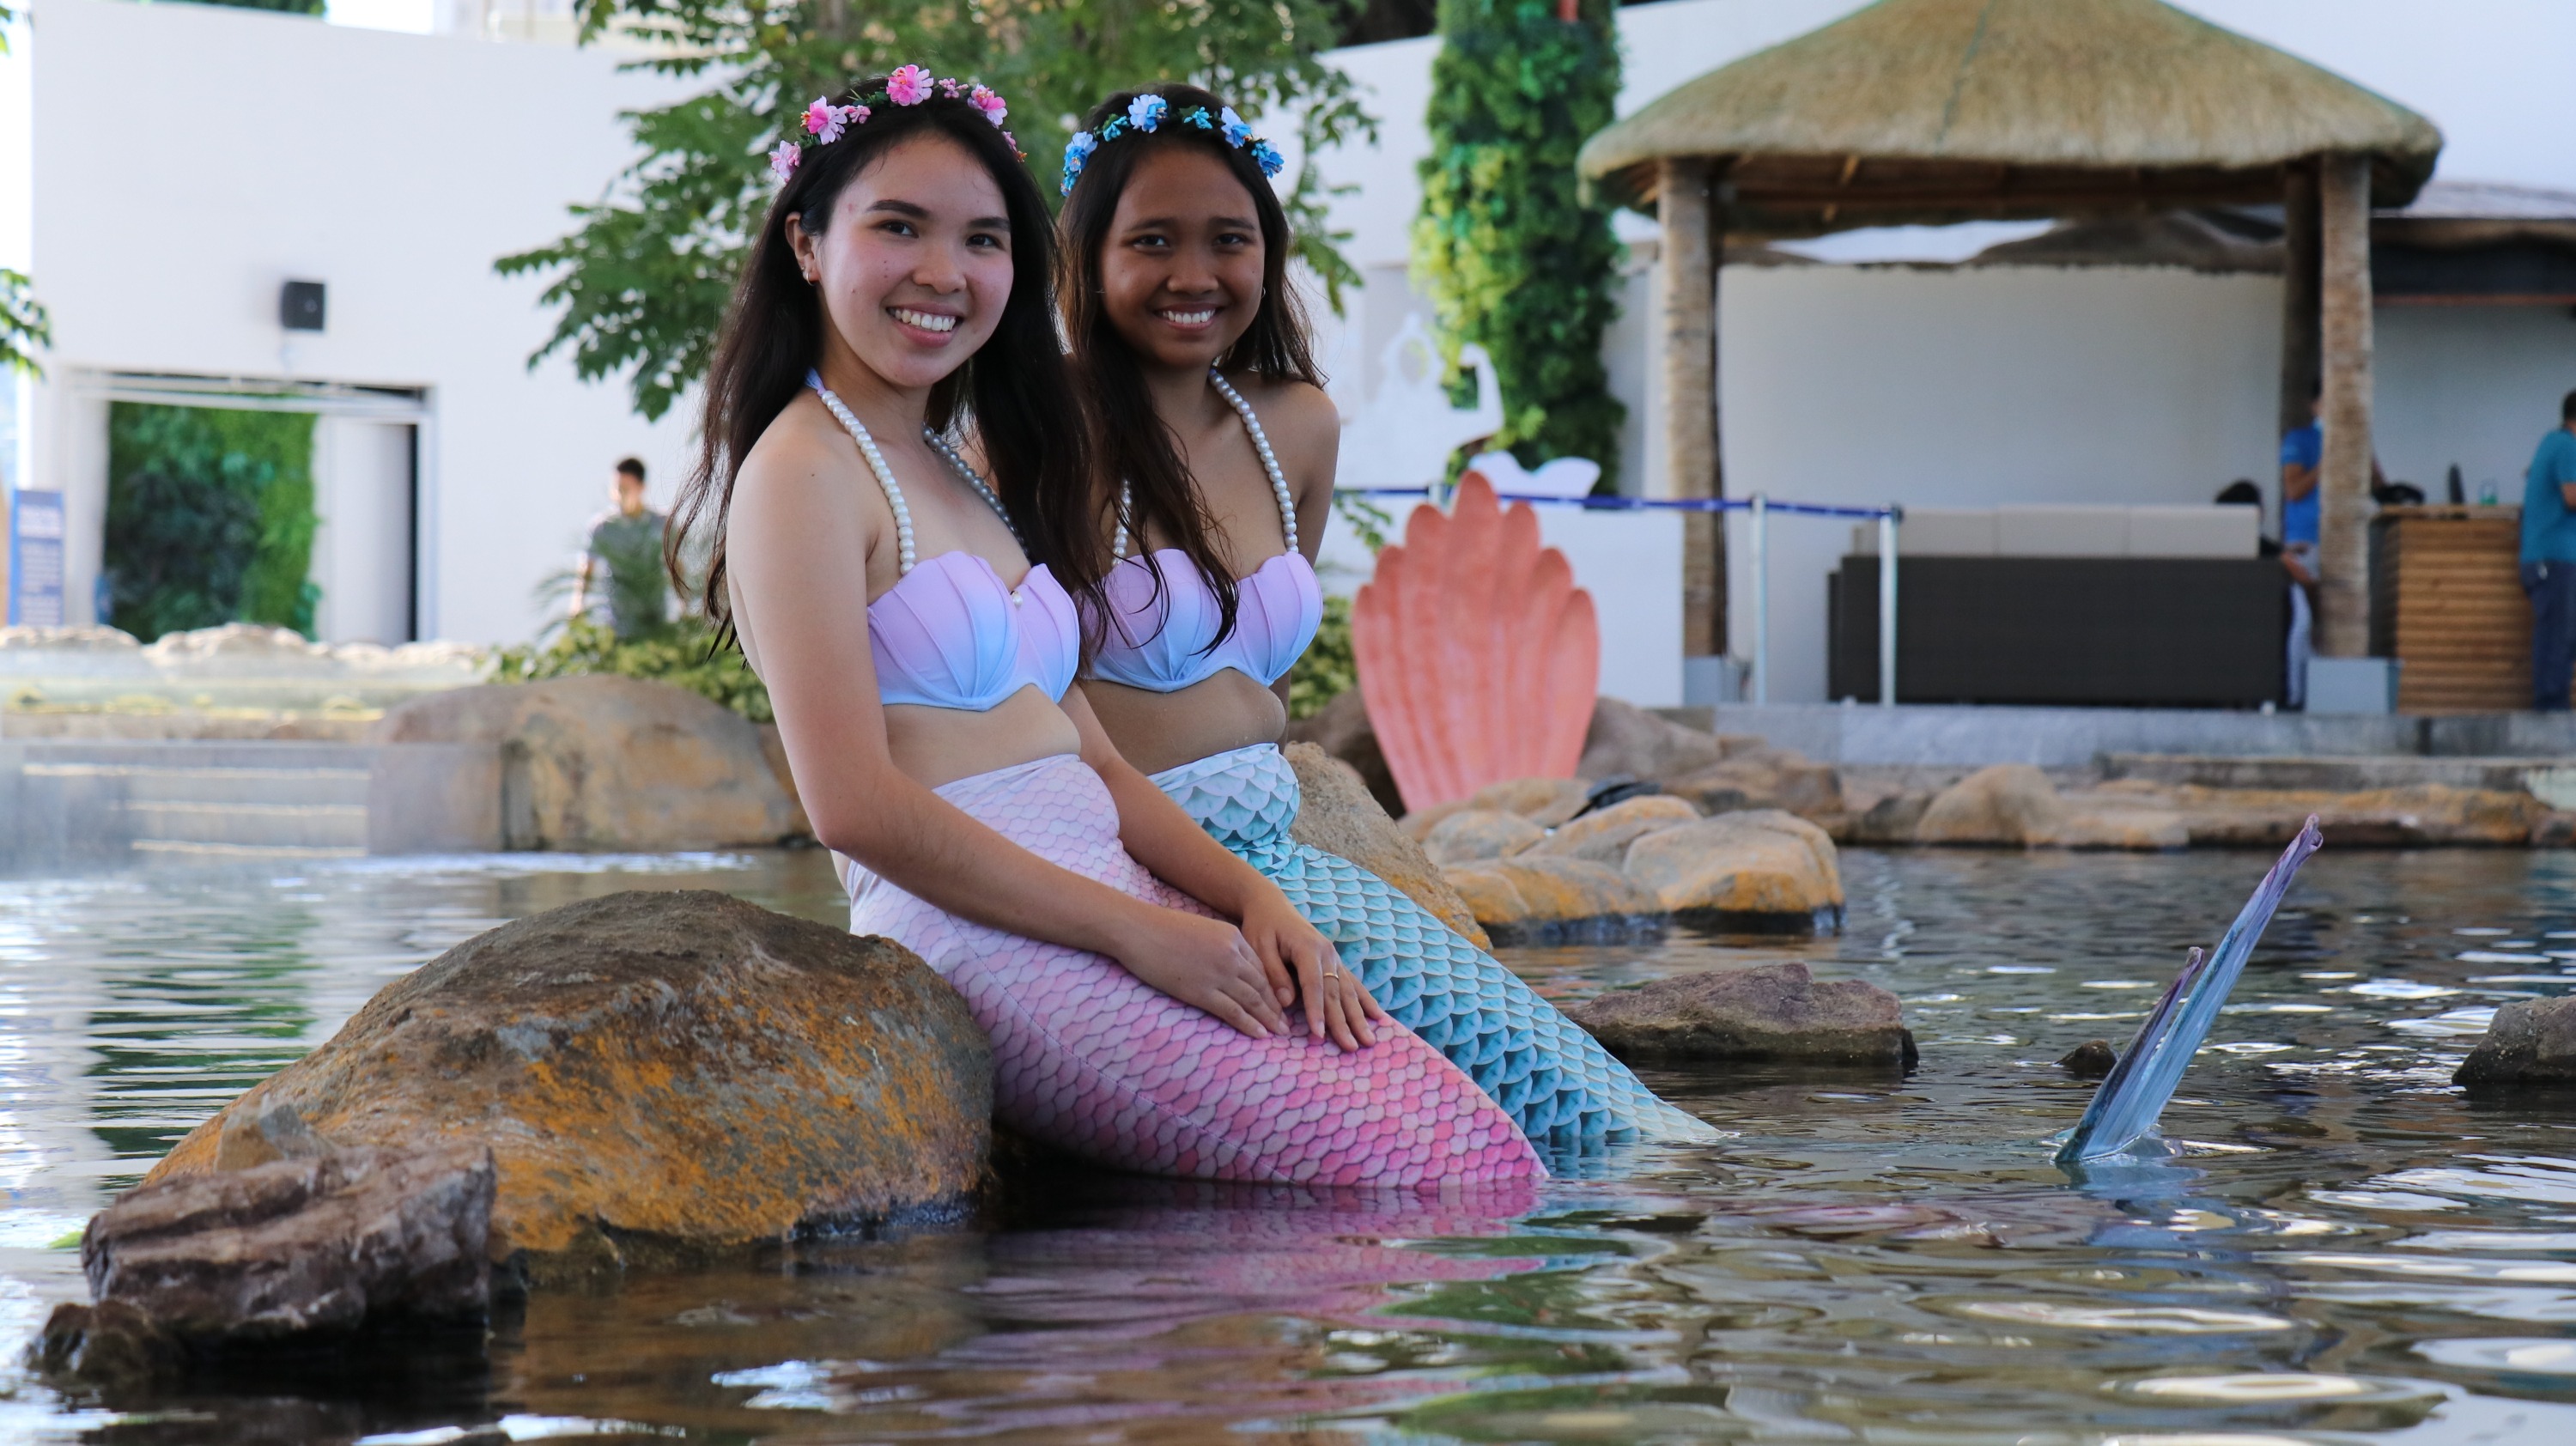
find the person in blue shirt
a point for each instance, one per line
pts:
(2301, 451)
(2549, 560)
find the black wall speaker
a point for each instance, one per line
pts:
(299, 306)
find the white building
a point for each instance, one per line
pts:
(165, 169)
(394, 167)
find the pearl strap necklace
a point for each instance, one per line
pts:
(904, 556)
(1260, 444)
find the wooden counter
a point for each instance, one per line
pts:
(2446, 599)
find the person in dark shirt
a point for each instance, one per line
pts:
(2297, 646)
(627, 541)
(2549, 560)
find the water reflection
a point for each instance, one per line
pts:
(2337, 1246)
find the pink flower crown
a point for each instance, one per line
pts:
(908, 85)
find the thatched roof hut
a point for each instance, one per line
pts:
(1927, 111)
(1935, 111)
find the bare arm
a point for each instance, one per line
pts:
(797, 533)
(2297, 481)
(581, 584)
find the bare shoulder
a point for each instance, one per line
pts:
(796, 484)
(1304, 425)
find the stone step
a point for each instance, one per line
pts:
(145, 783)
(289, 825)
(2542, 777)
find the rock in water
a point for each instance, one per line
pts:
(2093, 1059)
(1771, 1011)
(1338, 814)
(295, 1247)
(1625, 738)
(1603, 837)
(2531, 1043)
(684, 1068)
(1553, 900)
(1759, 869)
(608, 763)
(2008, 804)
(1477, 834)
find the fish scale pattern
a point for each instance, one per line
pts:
(1092, 1060)
(1555, 1079)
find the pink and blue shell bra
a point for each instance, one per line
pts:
(1162, 637)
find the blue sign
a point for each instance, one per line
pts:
(36, 560)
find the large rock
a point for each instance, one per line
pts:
(1474, 834)
(653, 1070)
(1764, 778)
(2010, 804)
(1603, 837)
(1771, 1011)
(603, 763)
(1545, 802)
(318, 1245)
(1342, 729)
(1626, 740)
(2531, 1043)
(1761, 869)
(2418, 816)
(1554, 900)
(1339, 815)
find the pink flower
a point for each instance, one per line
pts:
(782, 161)
(824, 121)
(909, 85)
(990, 104)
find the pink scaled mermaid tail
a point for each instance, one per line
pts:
(1092, 1060)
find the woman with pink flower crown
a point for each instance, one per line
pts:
(1153, 1003)
(1215, 426)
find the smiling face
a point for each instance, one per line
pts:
(1181, 271)
(913, 263)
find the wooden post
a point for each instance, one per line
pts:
(2343, 476)
(2299, 320)
(1686, 274)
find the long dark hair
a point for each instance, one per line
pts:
(1015, 391)
(1136, 445)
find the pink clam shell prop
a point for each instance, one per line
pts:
(1478, 655)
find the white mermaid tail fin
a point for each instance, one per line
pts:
(2125, 1109)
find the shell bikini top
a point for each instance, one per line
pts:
(950, 633)
(1164, 642)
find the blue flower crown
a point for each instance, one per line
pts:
(1146, 113)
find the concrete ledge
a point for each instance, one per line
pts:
(1936, 735)
(2337, 775)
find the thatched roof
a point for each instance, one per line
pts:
(1930, 111)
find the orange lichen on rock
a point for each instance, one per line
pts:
(682, 1066)
(1479, 655)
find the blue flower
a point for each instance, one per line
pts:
(1077, 149)
(1199, 118)
(1267, 159)
(1146, 112)
(1236, 132)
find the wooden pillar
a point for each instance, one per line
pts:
(1686, 307)
(2343, 476)
(2299, 320)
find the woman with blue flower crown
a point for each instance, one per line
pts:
(1220, 447)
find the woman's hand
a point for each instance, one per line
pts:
(1207, 964)
(1338, 1006)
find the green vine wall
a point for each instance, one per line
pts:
(1513, 259)
(209, 518)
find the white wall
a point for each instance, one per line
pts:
(393, 168)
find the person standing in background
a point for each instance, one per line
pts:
(627, 540)
(2549, 560)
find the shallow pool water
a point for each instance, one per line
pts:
(2344, 1249)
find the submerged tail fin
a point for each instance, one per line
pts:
(2128, 1103)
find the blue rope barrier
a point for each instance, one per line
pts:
(1639, 504)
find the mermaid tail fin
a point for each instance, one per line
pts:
(2126, 1107)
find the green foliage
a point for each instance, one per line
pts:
(1329, 668)
(209, 518)
(23, 323)
(1513, 259)
(642, 281)
(685, 654)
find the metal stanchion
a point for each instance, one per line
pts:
(1887, 607)
(1761, 599)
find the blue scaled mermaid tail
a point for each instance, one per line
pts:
(1547, 1073)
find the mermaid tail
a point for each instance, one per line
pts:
(2126, 1106)
(1092, 1060)
(1553, 1077)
